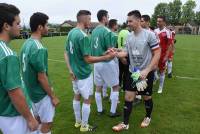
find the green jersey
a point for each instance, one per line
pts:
(122, 36)
(10, 79)
(78, 46)
(114, 39)
(34, 59)
(101, 40)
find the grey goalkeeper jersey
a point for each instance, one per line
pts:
(139, 48)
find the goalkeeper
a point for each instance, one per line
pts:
(144, 52)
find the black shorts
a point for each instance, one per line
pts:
(129, 86)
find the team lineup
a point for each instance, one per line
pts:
(131, 60)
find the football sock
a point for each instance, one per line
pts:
(85, 113)
(162, 79)
(114, 100)
(127, 111)
(148, 107)
(77, 110)
(98, 99)
(169, 67)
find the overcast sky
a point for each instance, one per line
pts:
(61, 10)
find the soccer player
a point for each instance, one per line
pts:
(78, 58)
(106, 71)
(144, 53)
(171, 54)
(165, 44)
(123, 65)
(15, 105)
(34, 60)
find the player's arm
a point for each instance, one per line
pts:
(43, 79)
(19, 101)
(156, 51)
(11, 81)
(38, 59)
(73, 77)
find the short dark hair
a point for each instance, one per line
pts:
(112, 22)
(38, 19)
(82, 12)
(124, 25)
(101, 14)
(162, 17)
(146, 17)
(135, 13)
(7, 14)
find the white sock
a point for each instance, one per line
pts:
(85, 113)
(98, 101)
(77, 110)
(156, 75)
(162, 79)
(114, 100)
(169, 67)
(104, 90)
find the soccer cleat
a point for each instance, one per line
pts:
(160, 90)
(101, 113)
(120, 127)
(145, 122)
(170, 75)
(87, 128)
(77, 124)
(113, 115)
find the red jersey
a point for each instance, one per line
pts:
(165, 38)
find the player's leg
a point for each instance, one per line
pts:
(110, 75)
(130, 93)
(77, 104)
(86, 89)
(104, 90)
(99, 85)
(148, 100)
(162, 67)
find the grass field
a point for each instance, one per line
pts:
(176, 111)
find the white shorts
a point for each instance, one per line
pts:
(44, 109)
(84, 87)
(14, 125)
(106, 72)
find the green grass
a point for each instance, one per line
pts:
(176, 111)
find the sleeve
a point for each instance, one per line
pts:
(108, 40)
(10, 73)
(39, 60)
(126, 45)
(153, 41)
(85, 46)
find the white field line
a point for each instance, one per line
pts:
(180, 77)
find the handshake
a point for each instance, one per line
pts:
(111, 53)
(139, 83)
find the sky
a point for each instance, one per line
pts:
(61, 10)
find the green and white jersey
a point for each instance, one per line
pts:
(101, 40)
(34, 59)
(10, 79)
(114, 39)
(78, 46)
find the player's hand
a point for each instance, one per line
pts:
(55, 101)
(33, 124)
(144, 73)
(72, 76)
(141, 85)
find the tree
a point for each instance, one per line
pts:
(174, 12)
(188, 14)
(162, 9)
(197, 18)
